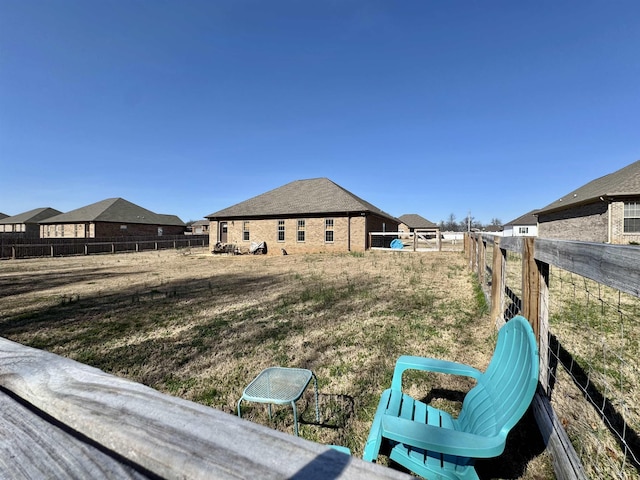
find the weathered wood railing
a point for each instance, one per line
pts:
(613, 266)
(63, 419)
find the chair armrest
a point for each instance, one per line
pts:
(407, 362)
(442, 440)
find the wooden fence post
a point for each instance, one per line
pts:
(543, 323)
(531, 286)
(481, 259)
(497, 282)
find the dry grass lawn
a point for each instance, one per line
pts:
(201, 327)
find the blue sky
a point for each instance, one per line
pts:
(430, 107)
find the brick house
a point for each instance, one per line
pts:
(113, 217)
(304, 216)
(200, 227)
(411, 222)
(26, 224)
(606, 209)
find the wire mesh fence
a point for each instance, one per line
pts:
(584, 300)
(593, 345)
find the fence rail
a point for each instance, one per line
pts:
(583, 302)
(68, 420)
(426, 240)
(58, 247)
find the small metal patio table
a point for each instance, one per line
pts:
(279, 386)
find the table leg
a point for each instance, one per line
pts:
(239, 402)
(315, 385)
(295, 418)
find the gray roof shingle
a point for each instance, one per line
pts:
(32, 216)
(413, 220)
(526, 219)
(115, 210)
(623, 182)
(300, 197)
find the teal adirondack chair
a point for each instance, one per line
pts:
(433, 444)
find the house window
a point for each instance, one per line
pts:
(328, 230)
(281, 230)
(301, 230)
(631, 217)
(245, 231)
(523, 230)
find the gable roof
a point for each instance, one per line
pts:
(200, 222)
(413, 220)
(32, 216)
(301, 197)
(3, 215)
(526, 219)
(621, 183)
(114, 210)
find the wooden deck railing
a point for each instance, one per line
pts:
(63, 419)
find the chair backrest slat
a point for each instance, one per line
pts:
(504, 391)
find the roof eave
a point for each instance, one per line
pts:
(580, 203)
(352, 213)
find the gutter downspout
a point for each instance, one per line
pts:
(609, 219)
(348, 231)
(610, 224)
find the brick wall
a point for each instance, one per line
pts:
(106, 230)
(349, 234)
(617, 226)
(587, 223)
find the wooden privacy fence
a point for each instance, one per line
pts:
(63, 419)
(43, 247)
(582, 300)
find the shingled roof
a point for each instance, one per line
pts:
(413, 220)
(526, 219)
(301, 197)
(621, 183)
(32, 216)
(114, 210)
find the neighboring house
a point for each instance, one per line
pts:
(27, 224)
(494, 229)
(524, 226)
(411, 222)
(302, 216)
(113, 217)
(606, 209)
(200, 227)
(3, 215)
